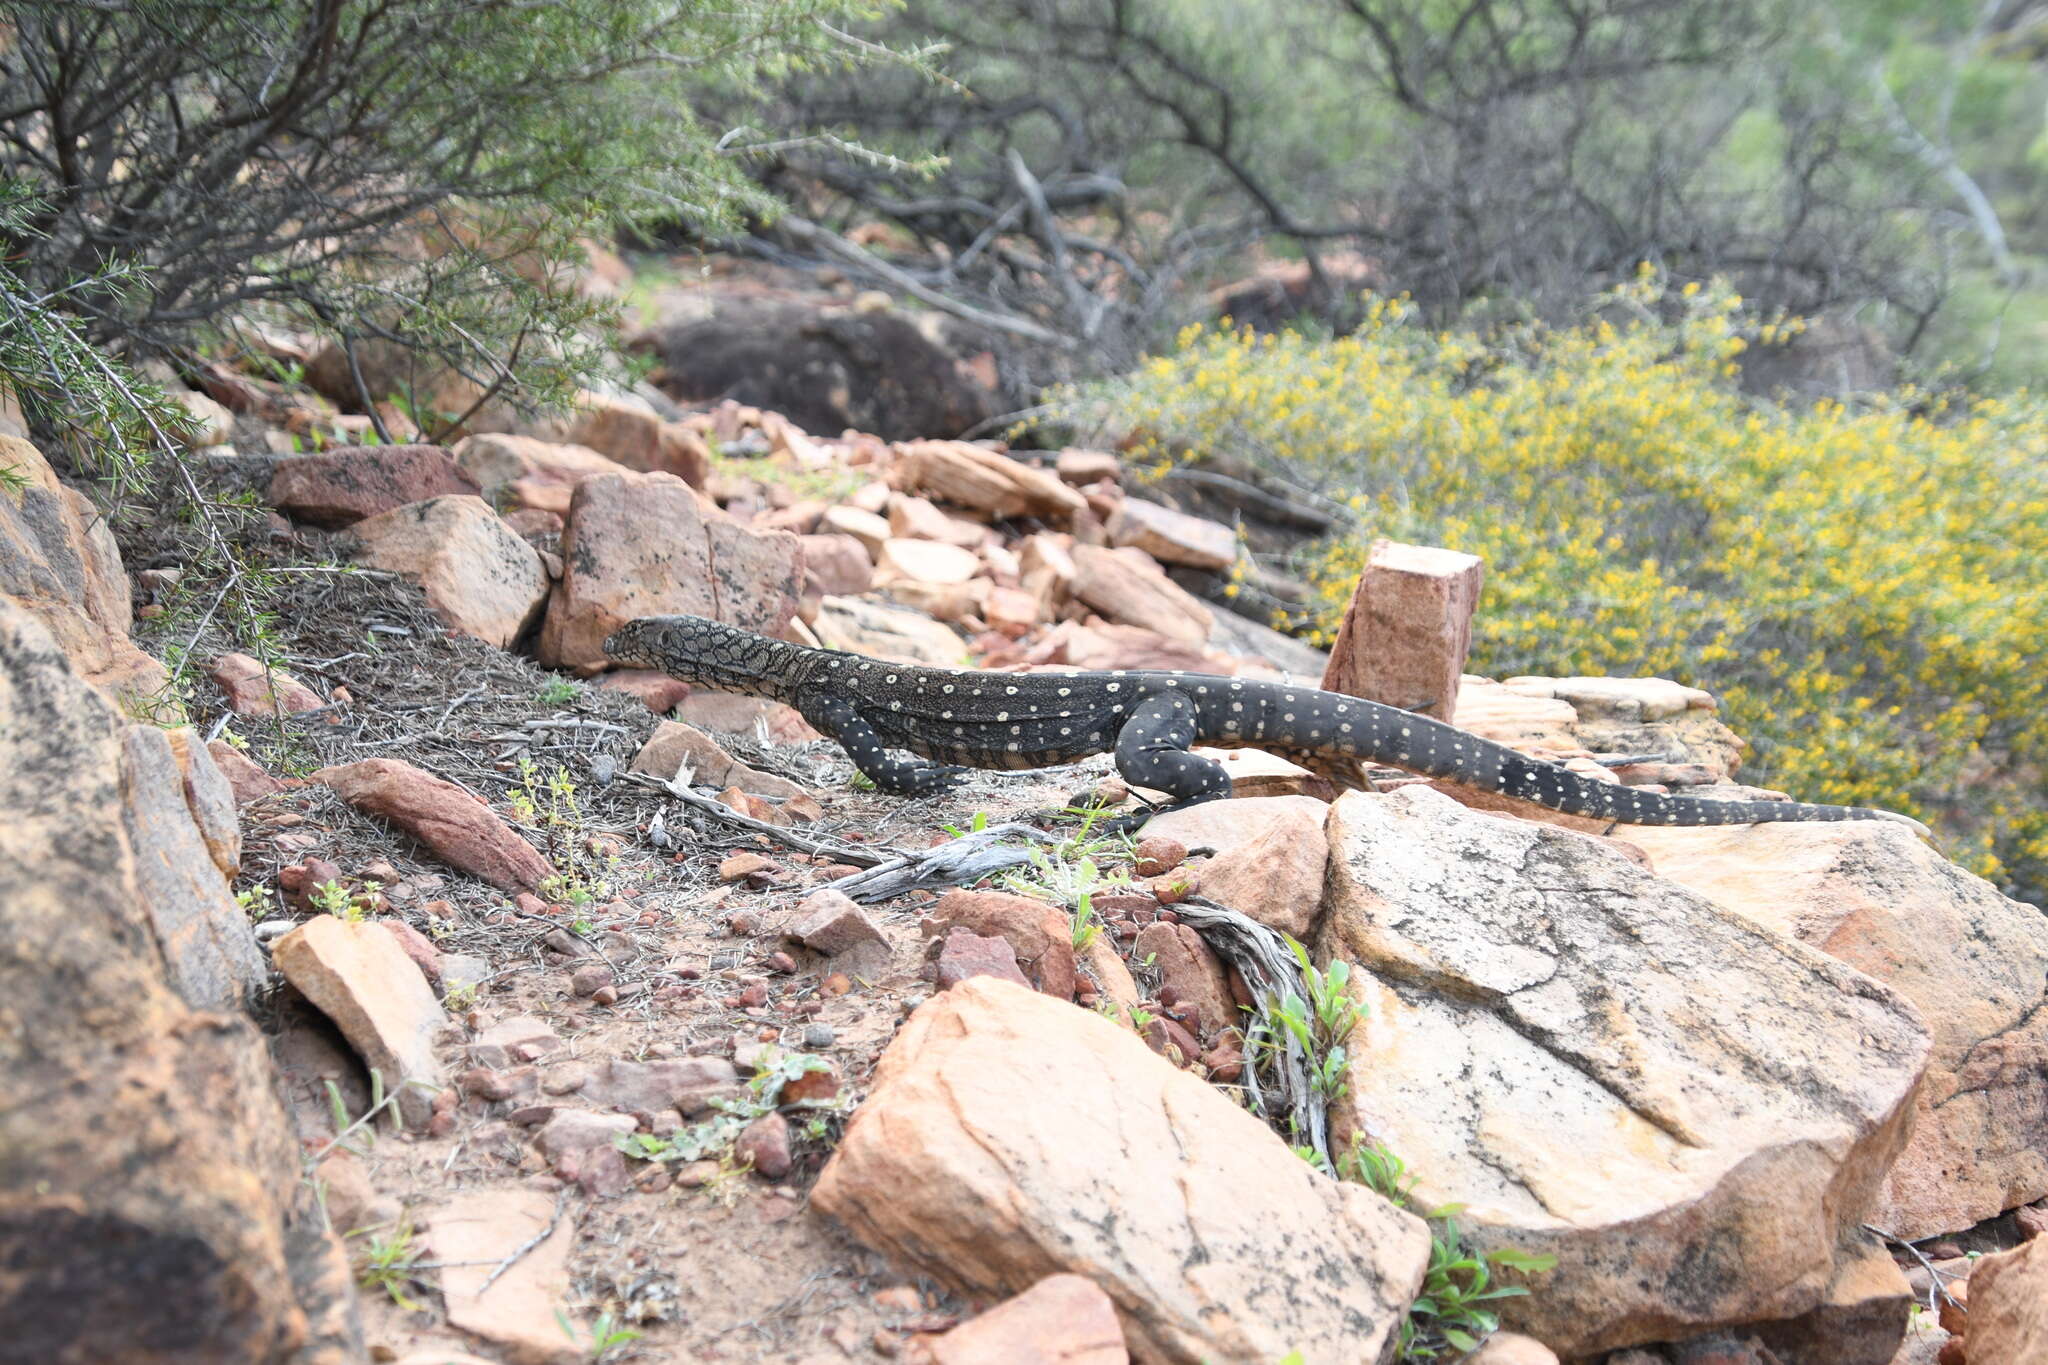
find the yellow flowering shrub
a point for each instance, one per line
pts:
(1864, 589)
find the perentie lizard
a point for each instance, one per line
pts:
(955, 718)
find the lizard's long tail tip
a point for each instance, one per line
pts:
(1906, 820)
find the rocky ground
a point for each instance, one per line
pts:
(649, 1084)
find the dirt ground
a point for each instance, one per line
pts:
(736, 1269)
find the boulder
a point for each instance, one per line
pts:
(836, 565)
(966, 955)
(1083, 467)
(1693, 1114)
(212, 424)
(342, 486)
(885, 632)
(1269, 861)
(924, 561)
(246, 778)
(976, 477)
(1976, 964)
(461, 830)
(867, 528)
(151, 1207)
(1173, 537)
(2008, 1321)
(629, 431)
(1061, 1320)
(1182, 1207)
(357, 975)
(251, 690)
(480, 578)
(647, 545)
(497, 460)
(59, 563)
(657, 691)
(824, 364)
(1042, 935)
(177, 806)
(1407, 629)
(1127, 586)
(1188, 968)
(921, 519)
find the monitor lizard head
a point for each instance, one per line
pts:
(699, 650)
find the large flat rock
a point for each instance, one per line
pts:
(1693, 1114)
(1976, 964)
(1010, 1136)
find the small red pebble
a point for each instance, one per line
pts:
(768, 1035)
(754, 996)
(781, 962)
(528, 903)
(690, 973)
(836, 984)
(1159, 854)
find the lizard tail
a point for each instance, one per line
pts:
(1560, 789)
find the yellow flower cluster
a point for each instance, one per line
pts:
(1864, 588)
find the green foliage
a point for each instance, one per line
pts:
(417, 174)
(604, 1336)
(1448, 1316)
(1861, 587)
(549, 805)
(557, 692)
(1318, 1025)
(713, 1139)
(390, 1261)
(334, 899)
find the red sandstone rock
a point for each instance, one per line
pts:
(1407, 630)
(461, 830)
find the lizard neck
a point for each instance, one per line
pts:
(715, 655)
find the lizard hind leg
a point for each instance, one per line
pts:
(1152, 751)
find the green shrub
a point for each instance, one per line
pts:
(1863, 588)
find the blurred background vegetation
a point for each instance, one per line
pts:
(1710, 323)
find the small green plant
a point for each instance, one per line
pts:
(460, 999)
(557, 692)
(1448, 1315)
(550, 805)
(605, 1334)
(390, 1259)
(1070, 882)
(974, 826)
(713, 1139)
(331, 897)
(861, 782)
(1318, 1025)
(253, 900)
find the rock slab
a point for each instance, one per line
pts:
(1976, 964)
(1693, 1114)
(472, 1236)
(147, 1211)
(1408, 627)
(480, 578)
(359, 976)
(1187, 1211)
(1061, 1320)
(646, 545)
(462, 831)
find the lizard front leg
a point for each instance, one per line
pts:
(1152, 751)
(841, 720)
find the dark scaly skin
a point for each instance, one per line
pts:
(964, 718)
